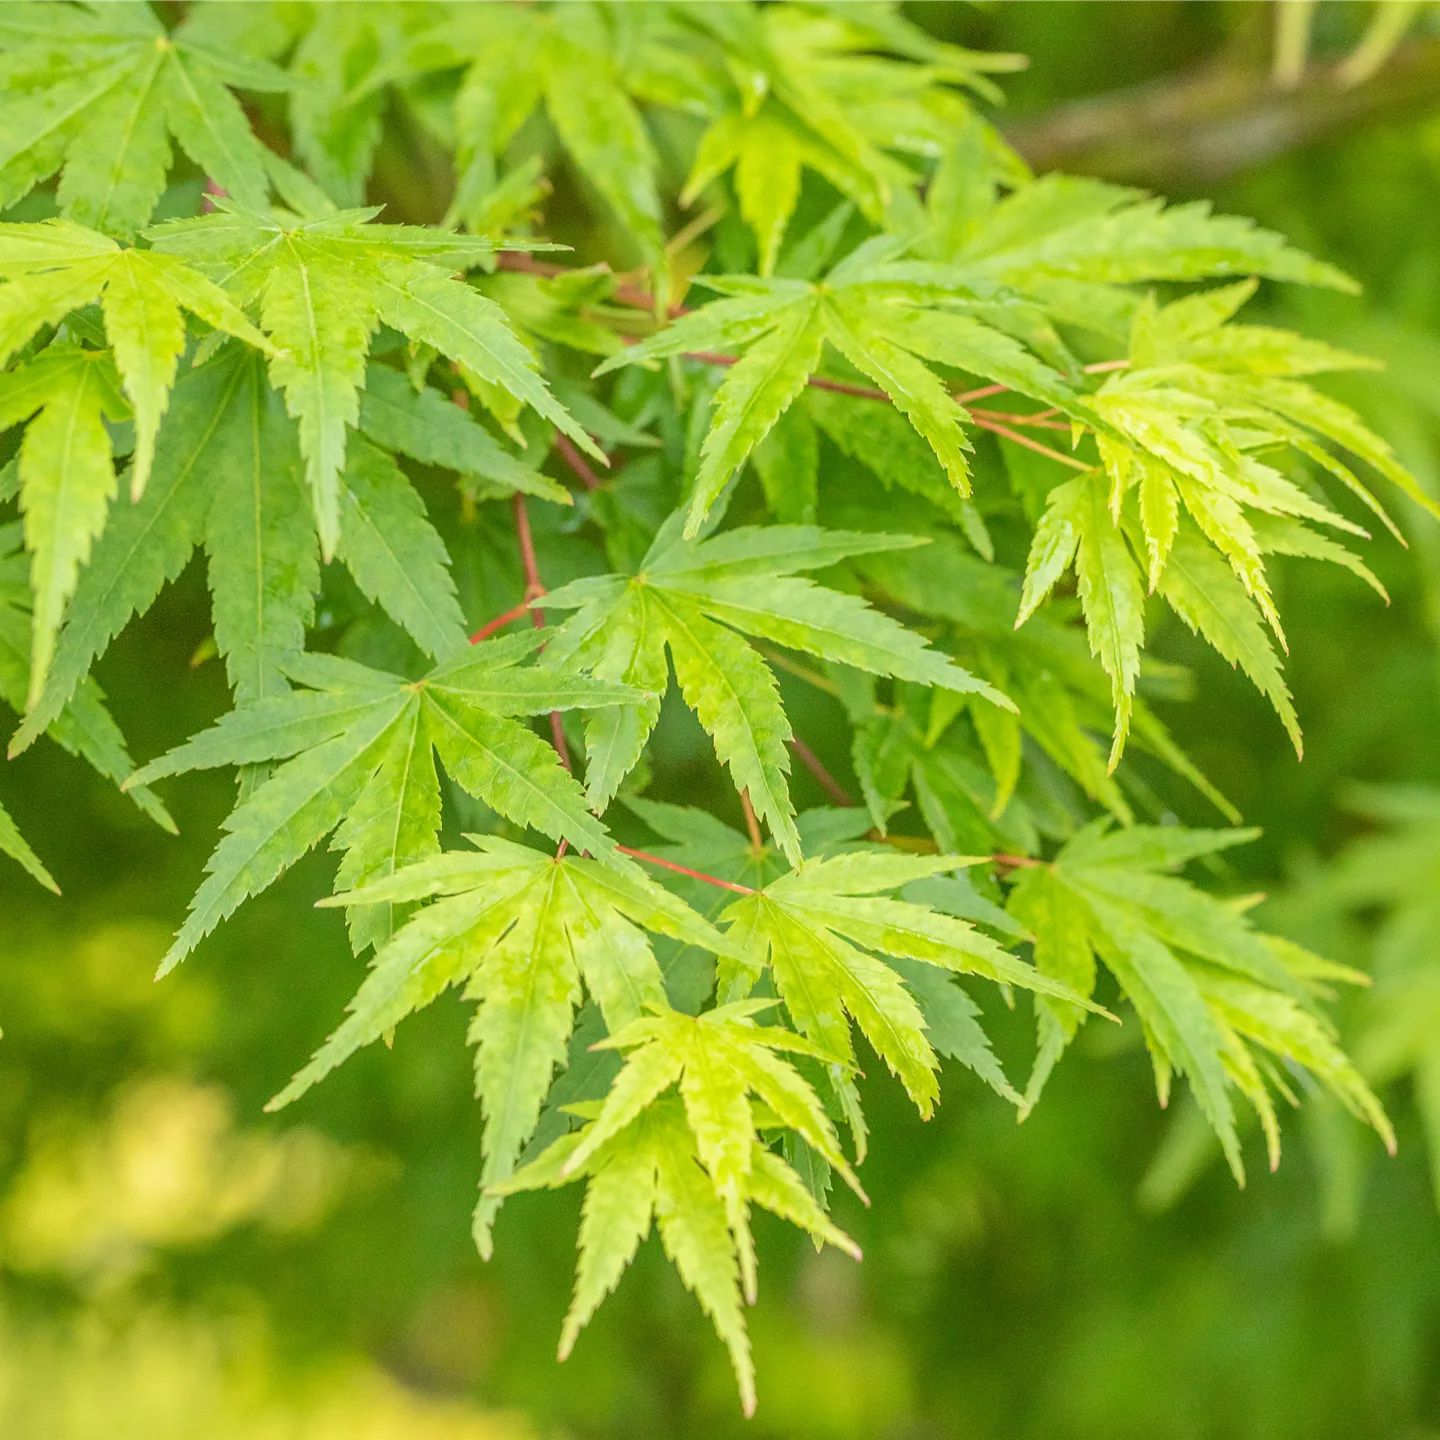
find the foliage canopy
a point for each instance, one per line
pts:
(225, 348)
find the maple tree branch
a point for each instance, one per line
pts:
(828, 783)
(534, 590)
(1039, 422)
(981, 418)
(566, 450)
(685, 870)
(802, 672)
(1227, 116)
(1018, 862)
(488, 629)
(1029, 444)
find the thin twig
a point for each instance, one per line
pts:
(487, 630)
(1039, 422)
(982, 418)
(757, 843)
(557, 736)
(534, 591)
(802, 672)
(1018, 862)
(566, 450)
(828, 783)
(685, 870)
(694, 230)
(1030, 444)
(839, 387)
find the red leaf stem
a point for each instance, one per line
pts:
(685, 870)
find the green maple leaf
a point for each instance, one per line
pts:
(228, 476)
(653, 1168)
(1181, 432)
(820, 931)
(323, 286)
(55, 267)
(889, 318)
(690, 597)
(361, 742)
(520, 929)
(100, 90)
(1069, 245)
(580, 62)
(1209, 990)
(808, 91)
(696, 1162)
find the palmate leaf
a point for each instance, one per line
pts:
(572, 60)
(653, 1167)
(521, 929)
(819, 930)
(717, 1061)
(361, 743)
(100, 90)
(889, 318)
(1179, 431)
(807, 90)
(228, 476)
(1078, 527)
(1070, 245)
(323, 286)
(686, 598)
(1207, 988)
(55, 267)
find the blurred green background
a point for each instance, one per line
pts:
(174, 1264)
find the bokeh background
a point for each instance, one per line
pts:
(175, 1264)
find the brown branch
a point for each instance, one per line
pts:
(1018, 862)
(1038, 422)
(566, 450)
(685, 870)
(1030, 444)
(488, 629)
(557, 738)
(1195, 129)
(828, 783)
(534, 591)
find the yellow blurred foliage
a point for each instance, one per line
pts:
(163, 1377)
(165, 1168)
